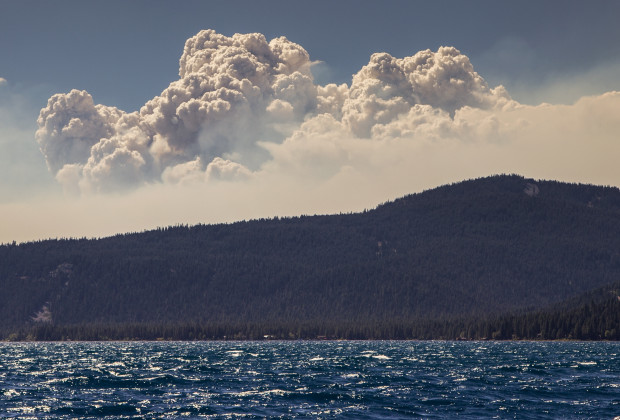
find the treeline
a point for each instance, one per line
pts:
(593, 320)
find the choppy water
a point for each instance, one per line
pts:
(310, 379)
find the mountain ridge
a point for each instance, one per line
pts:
(478, 249)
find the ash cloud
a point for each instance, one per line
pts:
(232, 91)
(244, 106)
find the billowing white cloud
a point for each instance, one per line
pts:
(232, 92)
(71, 125)
(246, 113)
(388, 87)
(3, 81)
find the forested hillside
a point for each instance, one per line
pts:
(471, 252)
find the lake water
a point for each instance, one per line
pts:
(342, 379)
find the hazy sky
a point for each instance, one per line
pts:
(358, 104)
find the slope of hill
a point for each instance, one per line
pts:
(473, 250)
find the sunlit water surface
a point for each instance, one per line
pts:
(361, 380)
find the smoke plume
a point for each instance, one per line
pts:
(244, 106)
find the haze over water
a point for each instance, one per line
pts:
(310, 379)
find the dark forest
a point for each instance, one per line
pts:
(502, 257)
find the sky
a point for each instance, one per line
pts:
(121, 116)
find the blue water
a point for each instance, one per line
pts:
(361, 380)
